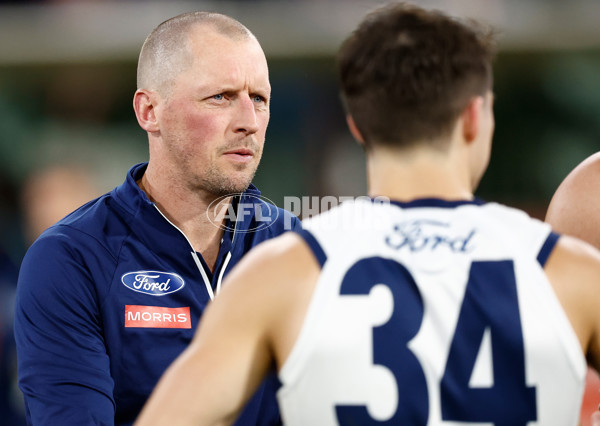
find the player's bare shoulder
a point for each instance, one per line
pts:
(581, 183)
(573, 269)
(278, 277)
(288, 253)
(573, 209)
(574, 261)
(588, 168)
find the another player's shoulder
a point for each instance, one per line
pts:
(573, 268)
(581, 182)
(276, 270)
(573, 209)
(572, 254)
(588, 168)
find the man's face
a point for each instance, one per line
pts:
(214, 118)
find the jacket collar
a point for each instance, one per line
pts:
(155, 229)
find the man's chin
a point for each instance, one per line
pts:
(230, 188)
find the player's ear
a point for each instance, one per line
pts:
(471, 118)
(354, 130)
(144, 103)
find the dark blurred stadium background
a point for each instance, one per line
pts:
(67, 77)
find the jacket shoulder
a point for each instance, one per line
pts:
(101, 222)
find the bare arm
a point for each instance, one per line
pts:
(253, 322)
(574, 271)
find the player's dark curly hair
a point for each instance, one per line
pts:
(407, 73)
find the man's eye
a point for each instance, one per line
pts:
(258, 98)
(218, 97)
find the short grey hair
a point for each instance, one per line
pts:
(163, 54)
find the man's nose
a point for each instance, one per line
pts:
(246, 120)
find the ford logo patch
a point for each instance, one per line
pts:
(154, 283)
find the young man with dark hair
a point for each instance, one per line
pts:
(435, 307)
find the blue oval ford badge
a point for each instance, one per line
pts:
(154, 283)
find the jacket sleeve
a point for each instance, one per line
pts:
(63, 366)
(296, 224)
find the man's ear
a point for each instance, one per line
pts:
(144, 103)
(354, 130)
(471, 118)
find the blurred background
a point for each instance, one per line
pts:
(68, 132)
(67, 77)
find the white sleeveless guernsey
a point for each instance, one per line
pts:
(432, 313)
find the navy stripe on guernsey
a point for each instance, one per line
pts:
(435, 202)
(547, 248)
(314, 246)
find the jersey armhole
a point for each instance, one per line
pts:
(547, 248)
(291, 369)
(314, 245)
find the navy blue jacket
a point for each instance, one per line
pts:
(109, 296)
(10, 408)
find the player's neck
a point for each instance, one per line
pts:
(406, 176)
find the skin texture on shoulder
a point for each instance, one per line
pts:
(255, 320)
(574, 208)
(573, 269)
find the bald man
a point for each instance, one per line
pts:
(111, 294)
(573, 210)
